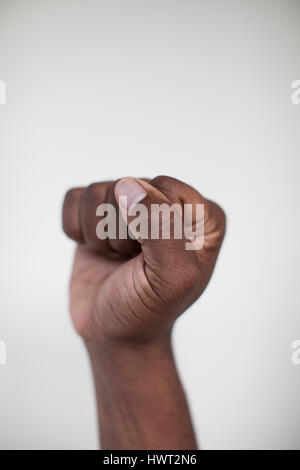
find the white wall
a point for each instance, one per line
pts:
(199, 90)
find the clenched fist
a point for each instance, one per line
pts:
(125, 289)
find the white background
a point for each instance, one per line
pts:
(200, 90)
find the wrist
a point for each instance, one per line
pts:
(130, 360)
(103, 348)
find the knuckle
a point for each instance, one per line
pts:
(70, 220)
(221, 219)
(70, 194)
(217, 220)
(163, 182)
(92, 191)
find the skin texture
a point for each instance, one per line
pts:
(125, 296)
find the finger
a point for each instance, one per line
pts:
(94, 196)
(71, 214)
(81, 219)
(206, 229)
(164, 257)
(122, 243)
(213, 216)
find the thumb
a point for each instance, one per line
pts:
(156, 223)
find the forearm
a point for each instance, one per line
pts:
(141, 402)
